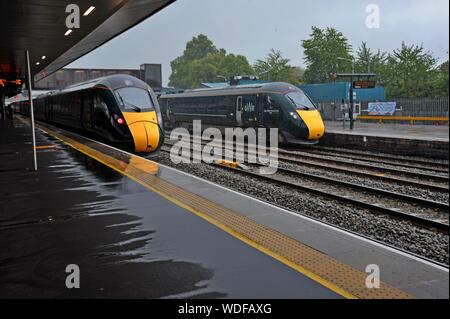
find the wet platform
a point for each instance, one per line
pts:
(138, 229)
(402, 131)
(401, 139)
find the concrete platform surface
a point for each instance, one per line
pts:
(417, 132)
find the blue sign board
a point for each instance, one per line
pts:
(382, 108)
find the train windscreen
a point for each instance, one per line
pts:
(300, 100)
(134, 99)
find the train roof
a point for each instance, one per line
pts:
(112, 82)
(274, 87)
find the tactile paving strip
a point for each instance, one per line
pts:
(322, 268)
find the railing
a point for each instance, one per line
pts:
(412, 111)
(425, 107)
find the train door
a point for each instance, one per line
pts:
(239, 104)
(260, 108)
(271, 112)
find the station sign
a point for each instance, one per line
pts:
(11, 86)
(364, 84)
(5, 82)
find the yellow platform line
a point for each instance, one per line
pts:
(44, 147)
(403, 118)
(330, 273)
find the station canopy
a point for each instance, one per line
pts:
(39, 26)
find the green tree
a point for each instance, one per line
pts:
(325, 51)
(274, 68)
(197, 48)
(440, 84)
(234, 65)
(366, 60)
(217, 67)
(410, 72)
(203, 62)
(296, 75)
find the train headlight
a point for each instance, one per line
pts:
(294, 116)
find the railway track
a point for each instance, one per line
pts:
(382, 159)
(374, 207)
(380, 176)
(432, 175)
(421, 212)
(431, 182)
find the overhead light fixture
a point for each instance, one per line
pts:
(68, 32)
(37, 63)
(88, 11)
(43, 57)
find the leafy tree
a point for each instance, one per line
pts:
(203, 62)
(274, 68)
(216, 67)
(325, 51)
(410, 72)
(197, 48)
(366, 60)
(296, 75)
(234, 65)
(440, 84)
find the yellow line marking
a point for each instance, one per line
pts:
(402, 118)
(359, 291)
(44, 147)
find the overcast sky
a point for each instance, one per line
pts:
(253, 27)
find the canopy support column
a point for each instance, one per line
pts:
(30, 99)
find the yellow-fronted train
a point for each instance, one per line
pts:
(269, 105)
(119, 109)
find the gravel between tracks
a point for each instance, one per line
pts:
(400, 234)
(397, 157)
(375, 166)
(407, 190)
(388, 202)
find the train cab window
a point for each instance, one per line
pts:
(132, 99)
(300, 100)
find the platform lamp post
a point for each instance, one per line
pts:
(351, 107)
(30, 99)
(357, 83)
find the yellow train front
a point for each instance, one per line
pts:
(120, 110)
(299, 120)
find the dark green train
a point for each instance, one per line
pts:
(270, 105)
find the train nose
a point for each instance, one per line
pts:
(145, 136)
(145, 131)
(314, 123)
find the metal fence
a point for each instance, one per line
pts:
(425, 107)
(422, 107)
